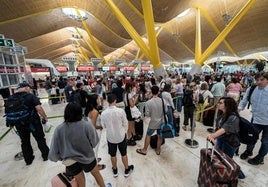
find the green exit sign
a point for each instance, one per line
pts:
(6, 42)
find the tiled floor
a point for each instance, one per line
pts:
(177, 165)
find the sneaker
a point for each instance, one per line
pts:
(19, 156)
(131, 142)
(137, 137)
(255, 161)
(127, 171)
(245, 155)
(241, 175)
(30, 161)
(108, 185)
(115, 172)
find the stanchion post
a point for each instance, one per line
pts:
(211, 130)
(191, 142)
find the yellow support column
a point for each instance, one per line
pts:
(88, 44)
(95, 46)
(211, 22)
(196, 68)
(150, 28)
(225, 31)
(129, 28)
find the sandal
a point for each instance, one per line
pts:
(140, 152)
(98, 159)
(157, 152)
(101, 166)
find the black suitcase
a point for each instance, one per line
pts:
(208, 117)
(153, 141)
(139, 128)
(176, 122)
(54, 100)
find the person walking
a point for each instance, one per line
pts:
(73, 142)
(114, 120)
(259, 103)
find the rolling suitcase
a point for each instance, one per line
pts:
(153, 141)
(139, 128)
(208, 117)
(217, 169)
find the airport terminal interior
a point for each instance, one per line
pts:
(103, 38)
(177, 165)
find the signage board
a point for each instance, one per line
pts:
(129, 68)
(145, 68)
(61, 68)
(41, 69)
(85, 68)
(105, 68)
(4, 42)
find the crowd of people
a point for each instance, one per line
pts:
(75, 141)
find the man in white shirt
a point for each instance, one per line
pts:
(114, 120)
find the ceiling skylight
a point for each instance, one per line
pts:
(72, 13)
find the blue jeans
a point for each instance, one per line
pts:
(178, 102)
(264, 142)
(170, 115)
(225, 147)
(230, 151)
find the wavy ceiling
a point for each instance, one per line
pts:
(42, 28)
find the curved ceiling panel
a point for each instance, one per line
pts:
(41, 27)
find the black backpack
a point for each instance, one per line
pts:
(201, 98)
(248, 133)
(252, 88)
(188, 98)
(77, 97)
(16, 112)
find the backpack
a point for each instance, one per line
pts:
(248, 133)
(201, 98)
(252, 88)
(77, 97)
(188, 98)
(16, 112)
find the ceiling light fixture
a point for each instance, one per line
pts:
(184, 13)
(72, 13)
(226, 17)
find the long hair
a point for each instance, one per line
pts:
(91, 103)
(128, 87)
(72, 112)
(230, 107)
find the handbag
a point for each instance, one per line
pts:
(135, 112)
(166, 130)
(63, 180)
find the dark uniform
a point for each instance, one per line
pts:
(34, 127)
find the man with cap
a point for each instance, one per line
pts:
(34, 126)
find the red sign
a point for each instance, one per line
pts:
(85, 68)
(112, 68)
(145, 68)
(61, 68)
(36, 70)
(129, 68)
(11, 70)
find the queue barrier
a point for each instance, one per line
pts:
(138, 104)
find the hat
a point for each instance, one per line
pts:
(24, 84)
